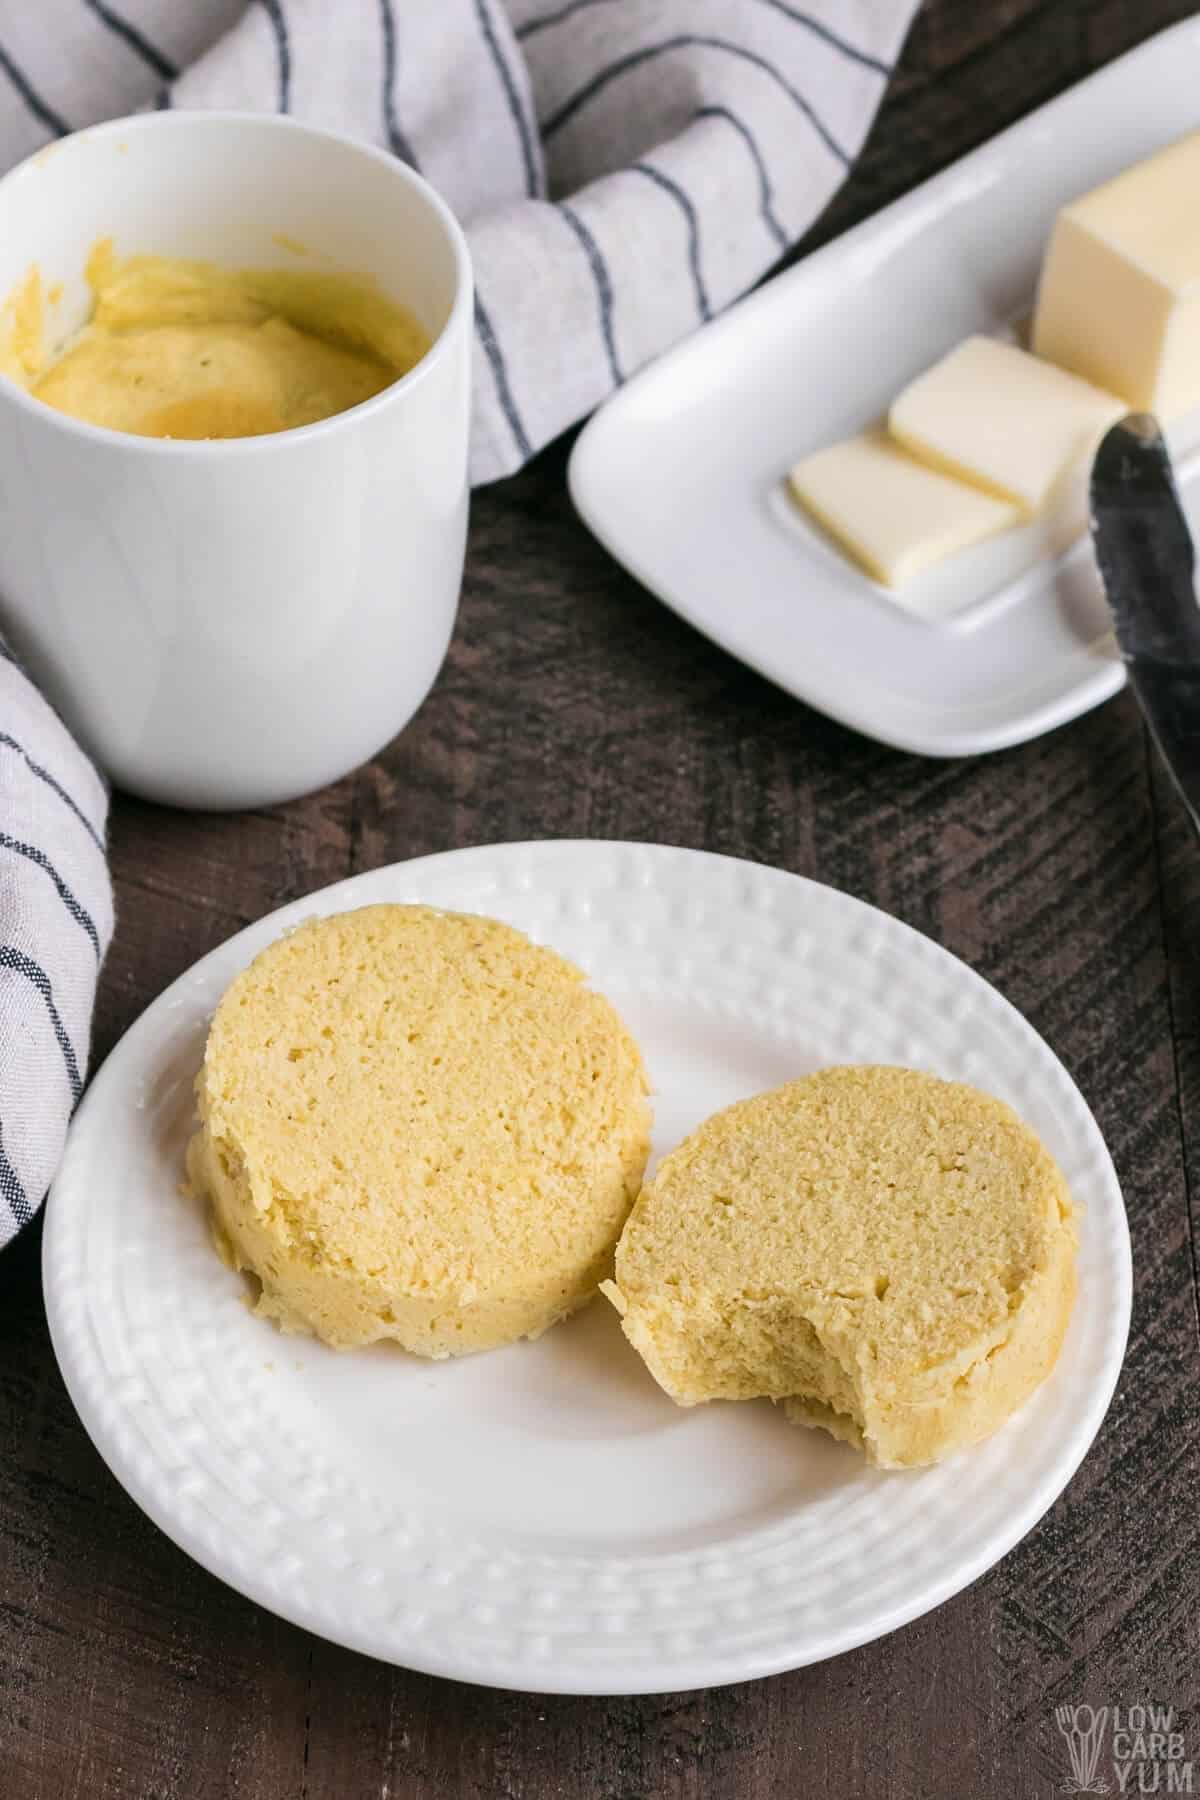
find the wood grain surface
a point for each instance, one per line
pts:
(572, 704)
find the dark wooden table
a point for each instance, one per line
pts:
(574, 705)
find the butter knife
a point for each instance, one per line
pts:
(1146, 560)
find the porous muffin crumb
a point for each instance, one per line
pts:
(889, 1255)
(420, 1126)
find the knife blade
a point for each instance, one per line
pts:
(1146, 559)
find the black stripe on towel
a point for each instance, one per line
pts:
(766, 194)
(43, 113)
(532, 26)
(279, 25)
(604, 287)
(11, 958)
(495, 356)
(78, 912)
(688, 40)
(512, 95)
(684, 203)
(131, 36)
(57, 787)
(397, 141)
(12, 1190)
(829, 36)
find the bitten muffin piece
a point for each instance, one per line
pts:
(421, 1126)
(890, 1255)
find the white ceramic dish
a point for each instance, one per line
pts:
(232, 622)
(680, 473)
(544, 1517)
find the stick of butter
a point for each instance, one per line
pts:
(1119, 300)
(1009, 423)
(893, 515)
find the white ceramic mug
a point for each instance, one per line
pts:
(233, 623)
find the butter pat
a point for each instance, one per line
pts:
(1119, 301)
(1003, 420)
(893, 515)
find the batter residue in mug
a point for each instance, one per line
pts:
(178, 349)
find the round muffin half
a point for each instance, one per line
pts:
(421, 1126)
(890, 1255)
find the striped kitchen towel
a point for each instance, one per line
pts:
(624, 168)
(55, 923)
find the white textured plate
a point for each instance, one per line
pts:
(681, 473)
(542, 1516)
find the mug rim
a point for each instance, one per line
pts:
(263, 442)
